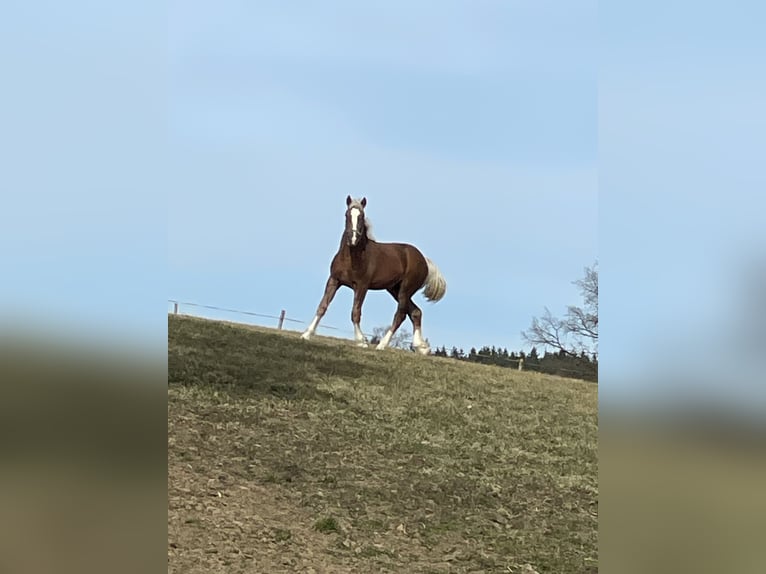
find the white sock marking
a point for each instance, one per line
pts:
(311, 328)
(359, 336)
(385, 340)
(420, 345)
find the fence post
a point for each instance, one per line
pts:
(281, 319)
(521, 364)
(175, 308)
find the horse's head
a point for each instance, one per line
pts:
(356, 226)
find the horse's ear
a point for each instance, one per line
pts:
(348, 200)
(364, 202)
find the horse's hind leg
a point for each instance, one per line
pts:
(416, 316)
(399, 316)
(329, 292)
(402, 310)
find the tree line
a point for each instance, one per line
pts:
(573, 339)
(578, 366)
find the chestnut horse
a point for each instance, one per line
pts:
(363, 264)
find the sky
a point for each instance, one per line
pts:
(682, 141)
(203, 152)
(82, 160)
(470, 128)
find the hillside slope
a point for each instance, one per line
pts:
(294, 456)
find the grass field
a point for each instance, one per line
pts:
(294, 456)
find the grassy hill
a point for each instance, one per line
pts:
(294, 456)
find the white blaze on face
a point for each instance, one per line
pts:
(354, 225)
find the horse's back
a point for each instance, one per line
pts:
(396, 262)
(383, 266)
(413, 255)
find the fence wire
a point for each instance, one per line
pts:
(262, 315)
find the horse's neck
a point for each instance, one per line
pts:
(357, 253)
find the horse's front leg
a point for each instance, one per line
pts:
(356, 316)
(329, 292)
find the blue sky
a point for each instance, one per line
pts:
(682, 135)
(470, 128)
(204, 154)
(82, 160)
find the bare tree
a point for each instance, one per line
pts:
(578, 330)
(400, 340)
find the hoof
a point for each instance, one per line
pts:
(424, 350)
(362, 345)
(380, 347)
(306, 336)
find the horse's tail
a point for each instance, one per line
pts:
(435, 286)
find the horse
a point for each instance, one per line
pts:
(363, 264)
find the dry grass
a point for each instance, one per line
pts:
(287, 456)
